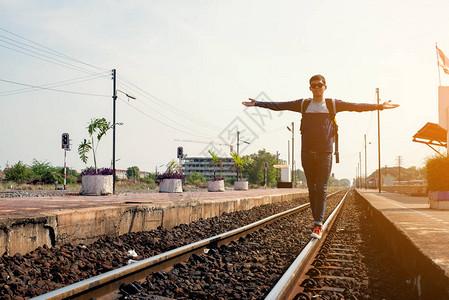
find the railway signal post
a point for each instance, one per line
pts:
(66, 147)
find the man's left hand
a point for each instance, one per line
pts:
(389, 105)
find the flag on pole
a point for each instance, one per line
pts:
(443, 61)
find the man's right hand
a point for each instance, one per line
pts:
(251, 102)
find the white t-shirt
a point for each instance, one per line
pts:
(317, 107)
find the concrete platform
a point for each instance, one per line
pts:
(27, 223)
(417, 236)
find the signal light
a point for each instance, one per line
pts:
(65, 141)
(180, 152)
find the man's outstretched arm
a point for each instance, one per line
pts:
(287, 105)
(360, 107)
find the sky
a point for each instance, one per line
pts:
(190, 64)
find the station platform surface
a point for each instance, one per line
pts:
(419, 234)
(70, 201)
(29, 222)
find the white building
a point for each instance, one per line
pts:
(205, 167)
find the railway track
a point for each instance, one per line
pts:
(302, 278)
(114, 284)
(254, 262)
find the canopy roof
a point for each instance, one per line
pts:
(432, 135)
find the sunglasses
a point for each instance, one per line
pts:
(316, 85)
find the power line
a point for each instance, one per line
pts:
(169, 107)
(53, 62)
(55, 84)
(57, 53)
(165, 124)
(56, 62)
(54, 90)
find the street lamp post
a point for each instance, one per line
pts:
(293, 152)
(114, 100)
(365, 160)
(378, 141)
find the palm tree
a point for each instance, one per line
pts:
(216, 161)
(239, 163)
(96, 126)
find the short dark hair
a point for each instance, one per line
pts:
(317, 77)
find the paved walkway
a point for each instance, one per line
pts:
(33, 205)
(427, 229)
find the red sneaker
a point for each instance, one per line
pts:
(317, 232)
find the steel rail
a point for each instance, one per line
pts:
(109, 282)
(287, 283)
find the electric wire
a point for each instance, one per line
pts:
(172, 109)
(163, 123)
(169, 107)
(57, 53)
(164, 115)
(56, 62)
(54, 90)
(52, 85)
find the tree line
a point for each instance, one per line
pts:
(42, 172)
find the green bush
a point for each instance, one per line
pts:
(148, 180)
(437, 173)
(230, 181)
(133, 173)
(19, 173)
(193, 178)
(50, 177)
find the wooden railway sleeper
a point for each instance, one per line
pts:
(326, 288)
(333, 260)
(341, 249)
(334, 277)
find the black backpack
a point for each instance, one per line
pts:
(330, 103)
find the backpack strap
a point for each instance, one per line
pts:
(330, 103)
(304, 104)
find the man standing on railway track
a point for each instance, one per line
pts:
(318, 129)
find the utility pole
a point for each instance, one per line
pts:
(378, 141)
(399, 169)
(360, 164)
(293, 154)
(365, 162)
(277, 162)
(114, 100)
(238, 142)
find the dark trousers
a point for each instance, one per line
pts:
(317, 168)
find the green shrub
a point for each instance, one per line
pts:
(50, 177)
(230, 181)
(194, 177)
(437, 169)
(148, 180)
(19, 173)
(198, 183)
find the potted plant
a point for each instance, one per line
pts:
(171, 180)
(216, 184)
(239, 164)
(438, 182)
(95, 181)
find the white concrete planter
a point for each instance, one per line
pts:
(215, 186)
(241, 185)
(170, 186)
(96, 185)
(439, 200)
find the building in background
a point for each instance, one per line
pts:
(205, 167)
(121, 174)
